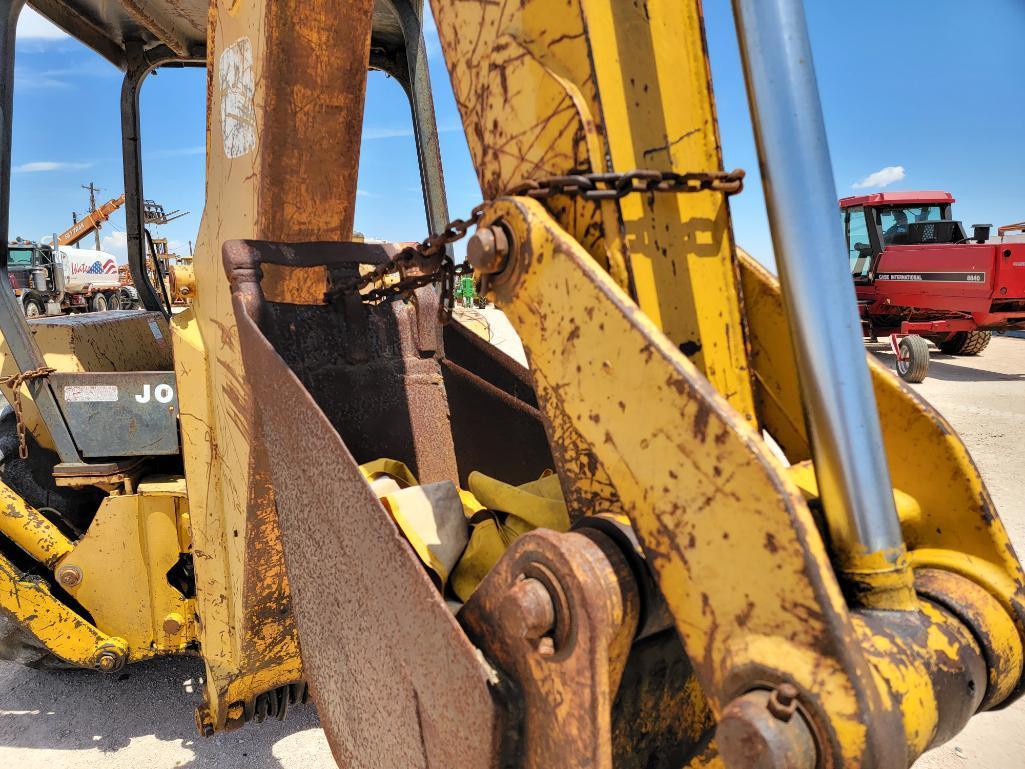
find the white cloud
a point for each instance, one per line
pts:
(33, 26)
(370, 134)
(25, 79)
(48, 165)
(116, 243)
(881, 178)
(176, 152)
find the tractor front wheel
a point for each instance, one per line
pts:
(914, 351)
(966, 342)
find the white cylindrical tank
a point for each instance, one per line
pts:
(84, 267)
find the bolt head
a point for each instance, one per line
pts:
(488, 249)
(108, 661)
(69, 576)
(528, 610)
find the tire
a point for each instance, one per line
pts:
(19, 646)
(32, 480)
(966, 342)
(129, 300)
(113, 300)
(33, 309)
(70, 509)
(916, 367)
(98, 303)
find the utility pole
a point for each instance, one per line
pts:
(190, 248)
(93, 189)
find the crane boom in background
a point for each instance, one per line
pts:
(90, 222)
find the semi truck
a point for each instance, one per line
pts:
(51, 281)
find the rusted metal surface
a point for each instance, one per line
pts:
(558, 614)
(497, 428)
(990, 624)
(660, 718)
(755, 732)
(932, 667)
(298, 206)
(284, 123)
(395, 680)
(162, 27)
(106, 27)
(700, 488)
(363, 364)
(566, 93)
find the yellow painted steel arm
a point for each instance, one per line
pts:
(32, 606)
(30, 530)
(602, 86)
(284, 114)
(729, 536)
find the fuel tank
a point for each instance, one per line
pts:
(85, 266)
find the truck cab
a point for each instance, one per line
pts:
(37, 279)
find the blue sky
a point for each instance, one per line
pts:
(920, 92)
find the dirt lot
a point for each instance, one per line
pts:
(143, 718)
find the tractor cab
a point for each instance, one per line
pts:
(873, 223)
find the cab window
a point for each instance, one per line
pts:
(858, 247)
(893, 221)
(19, 257)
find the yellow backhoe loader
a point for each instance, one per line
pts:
(289, 478)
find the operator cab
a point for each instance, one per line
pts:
(873, 223)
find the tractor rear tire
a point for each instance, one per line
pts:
(19, 646)
(966, 342)
(916, 367)
(70, 510)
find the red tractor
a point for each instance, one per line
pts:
(919, 277)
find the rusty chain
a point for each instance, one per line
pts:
(616, 186)
(15, 381)
(606, 186)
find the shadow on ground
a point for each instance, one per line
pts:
(88, 718)
(939, 368)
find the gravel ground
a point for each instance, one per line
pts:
(142, 719)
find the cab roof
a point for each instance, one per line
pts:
(181, 25)
(897, 198)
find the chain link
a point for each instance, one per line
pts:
(15, 381)
(616, 186)
(431, 253)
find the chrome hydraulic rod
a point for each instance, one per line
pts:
(818, 293)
